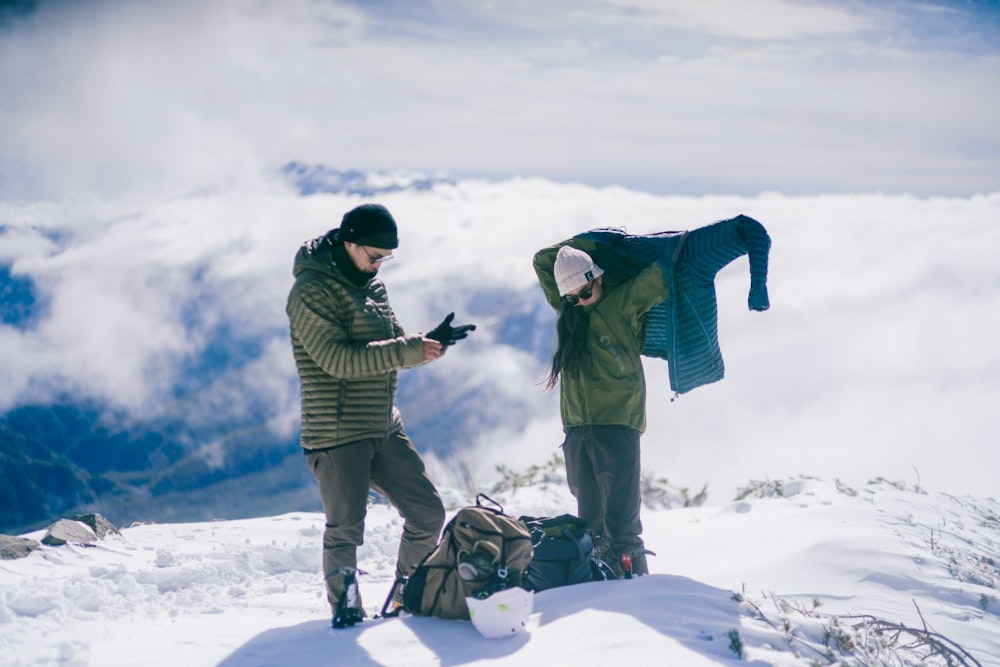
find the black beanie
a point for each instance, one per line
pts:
(370, 225)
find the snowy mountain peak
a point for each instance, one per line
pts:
(318, 178)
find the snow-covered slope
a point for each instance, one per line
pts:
(800, 572)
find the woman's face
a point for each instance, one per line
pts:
(585, 295)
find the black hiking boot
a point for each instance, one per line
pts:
(348, 612)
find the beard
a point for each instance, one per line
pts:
(345, 262)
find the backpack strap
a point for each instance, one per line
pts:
(497, 506)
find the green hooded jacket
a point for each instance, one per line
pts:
(611, 387)
(347, 346)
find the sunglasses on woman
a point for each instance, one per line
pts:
(585, 293)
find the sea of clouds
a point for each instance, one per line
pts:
(878, 355)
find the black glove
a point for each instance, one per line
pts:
(447, 335)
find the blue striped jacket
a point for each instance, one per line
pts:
(684, 329)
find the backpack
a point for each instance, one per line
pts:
(481, 550)
(563, 553)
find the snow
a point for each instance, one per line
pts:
(794, 573)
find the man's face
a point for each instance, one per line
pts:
(367, 258)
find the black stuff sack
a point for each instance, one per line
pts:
(563, 553)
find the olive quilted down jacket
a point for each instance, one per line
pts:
(348, 347)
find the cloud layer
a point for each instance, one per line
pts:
(878, 356)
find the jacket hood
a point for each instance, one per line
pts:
(315, 255)
(328, 257)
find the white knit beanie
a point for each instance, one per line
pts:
(574, 268)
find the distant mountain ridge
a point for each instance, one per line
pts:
(317, 178)
(64, 459)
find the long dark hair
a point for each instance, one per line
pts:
(572, 325)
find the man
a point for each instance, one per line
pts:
(348, 347)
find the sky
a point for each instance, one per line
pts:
(784, 578)
(681, 97)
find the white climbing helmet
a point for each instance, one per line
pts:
(502, 614)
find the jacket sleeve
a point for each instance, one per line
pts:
(708, 249)
(315, 322)
(646, 290)
(545, 259)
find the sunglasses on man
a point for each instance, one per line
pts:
(375, 259)
(584, 294)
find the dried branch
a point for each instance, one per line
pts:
(937, 644)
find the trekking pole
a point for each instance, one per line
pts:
(386, 612)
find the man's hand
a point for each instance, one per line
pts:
(433, 349)
(449, 335)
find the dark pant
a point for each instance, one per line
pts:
(602, 469)
(392, 467)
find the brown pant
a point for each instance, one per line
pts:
(392, 467)
(602, 470)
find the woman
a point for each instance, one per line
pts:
(602, 391)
